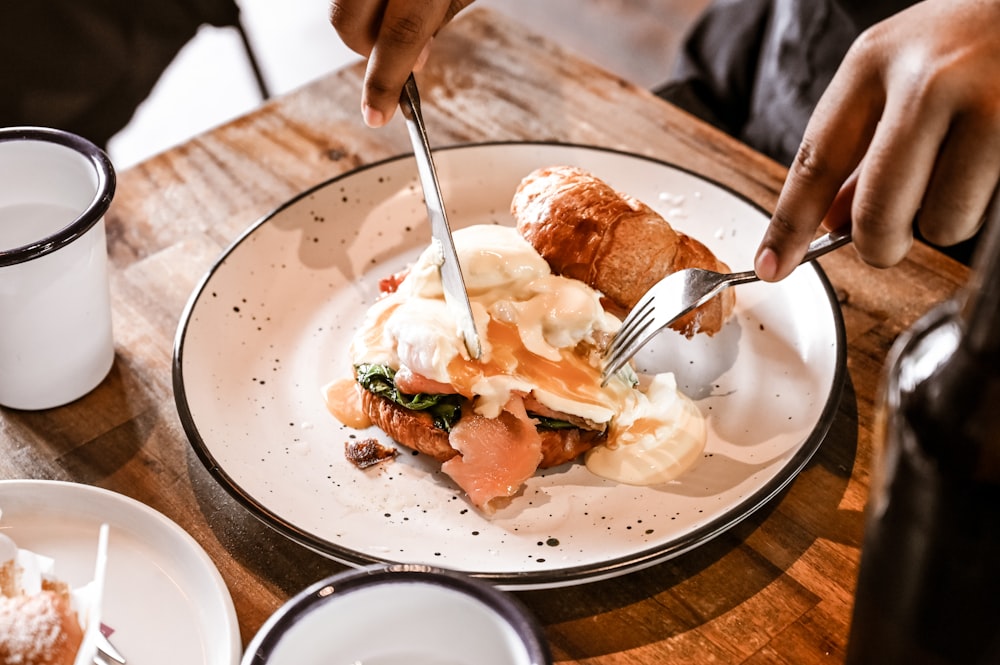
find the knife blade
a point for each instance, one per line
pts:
(455, 293)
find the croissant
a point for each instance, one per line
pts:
(588, 231)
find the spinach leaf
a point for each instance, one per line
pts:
(550, 423)
(445, 410)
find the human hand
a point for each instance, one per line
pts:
(909, 127)
(395, 36)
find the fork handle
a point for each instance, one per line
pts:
(818, 247)
(827, 243)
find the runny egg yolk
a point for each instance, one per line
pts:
(344, 402)
(539, 334)
(571, 374)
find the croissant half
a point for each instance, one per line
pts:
(587, 230)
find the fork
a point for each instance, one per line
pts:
(678, 293)
(107, 654)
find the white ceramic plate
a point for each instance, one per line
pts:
(163, 596)
(271, 323)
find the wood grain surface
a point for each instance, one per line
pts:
(775, 589)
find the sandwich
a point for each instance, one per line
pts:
(547, 296)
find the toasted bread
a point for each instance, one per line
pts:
(416, 430)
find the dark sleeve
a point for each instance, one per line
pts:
(716, 67)
(84, 66)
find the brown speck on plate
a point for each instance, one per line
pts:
(368, 452)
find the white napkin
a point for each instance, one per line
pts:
(87, 601)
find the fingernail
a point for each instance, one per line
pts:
(766, 264)
(373, 117)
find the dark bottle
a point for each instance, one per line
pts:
(929, 585)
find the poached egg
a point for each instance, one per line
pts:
(541, 335)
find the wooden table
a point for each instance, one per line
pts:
(776, 589)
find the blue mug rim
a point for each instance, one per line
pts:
(106, 181)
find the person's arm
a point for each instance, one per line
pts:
(394, 35)
(909, 128)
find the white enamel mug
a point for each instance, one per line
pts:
(400, 614)
(55, 309)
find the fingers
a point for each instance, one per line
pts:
(892, 182)
(967, 170)
(406, 29)
(839, 214)
(356, 22)
(395, 36)
(832, 147)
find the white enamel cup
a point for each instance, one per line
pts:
(55, 311)
(400, 615)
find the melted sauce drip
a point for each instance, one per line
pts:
(344, 401)
(571, 376)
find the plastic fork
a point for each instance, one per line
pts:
(96, 647)
(678, 293)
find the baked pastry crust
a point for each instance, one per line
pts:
(618, 245)
(416, 430)
(413, 429)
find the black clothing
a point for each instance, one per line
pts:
(85, 65)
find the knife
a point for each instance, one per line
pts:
(455, 293)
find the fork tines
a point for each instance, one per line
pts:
(629, 338)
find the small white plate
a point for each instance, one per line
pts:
(271, 323)
(163, 596)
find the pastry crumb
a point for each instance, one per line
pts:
(368, 452)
